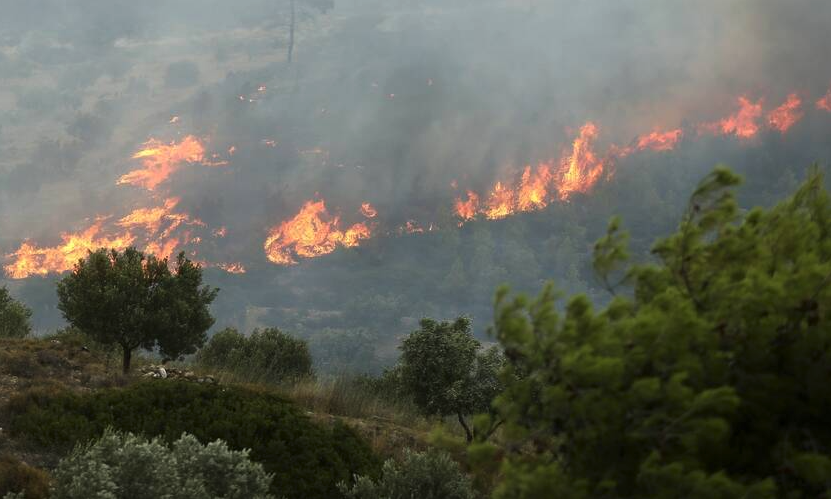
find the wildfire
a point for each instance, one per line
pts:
(467, 209)
(160, 161)
(743, 124)
(311, 233)
(582, 168)
(232, 268)
(533, 189)
(660, 141)
(785, 116)
(31, 260)
(824, 103)
(368, 210)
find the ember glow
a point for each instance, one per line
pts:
(311, 233)
(160, 161)
(744, 123)
(785, 116)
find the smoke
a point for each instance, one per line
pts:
(387, 102)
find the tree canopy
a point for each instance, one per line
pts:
(14, 316)
(447, 372)
(708, 378)
(133, 300)
(267, 355)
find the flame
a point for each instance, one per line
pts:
(467, 210)
(368, 210)
(412, 227)
(311, 233)
(161, 160)
(582, 169)
(220, 232)
(785, 116)
(533, 190)
(743, 124)
(660, 141)
(31, 260)
(500, 203)
(824, 103)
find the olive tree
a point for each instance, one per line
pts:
(132, 300)
(446, 371)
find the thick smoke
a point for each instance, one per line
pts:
(385, 101)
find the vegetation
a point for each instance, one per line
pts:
(14, 316)
(307, 460)
(269, 355)
(124, 466)
(708, 380)
(17, 477)
(447, 373)
(425, 475)
(134, 300)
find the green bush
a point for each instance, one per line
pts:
(422, 475)
(14, 316)
(269, 355)
(307, 460)
(17, 477)
(124, 466)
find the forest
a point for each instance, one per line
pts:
(415, 248)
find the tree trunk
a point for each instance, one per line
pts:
(462, 422)
(127, 355)
(291, 32)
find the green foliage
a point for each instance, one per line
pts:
(14, 316)
(425, 475)
(124, 466)
(710, 381)
(17, 477)
(134, 300)
(269, 355)
(446, 371)
(307, 460)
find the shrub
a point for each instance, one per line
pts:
(269, 355)
(14, 316)
(124, 466)
(425, 475)
(307, 460)
(17, 477)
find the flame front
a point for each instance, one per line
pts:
(467, 210)
(660, 141)
(311, 233)
(31, 260)
(744, 123)
(160, 161)
(787, 115)
(581, 169)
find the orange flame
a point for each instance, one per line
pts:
(31, 260)
(368, 210)
(232, 268)
(824, 103)
(582, 169)
(743, 124)
(500, 203)
(161, 160)
(785, 116)
(533, 189)
(467, 210)
(660, 141)
(311, 233)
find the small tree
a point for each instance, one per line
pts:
(446, 371)
(14, 316)
(425, 475)
(132, 300)
(124, 466)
